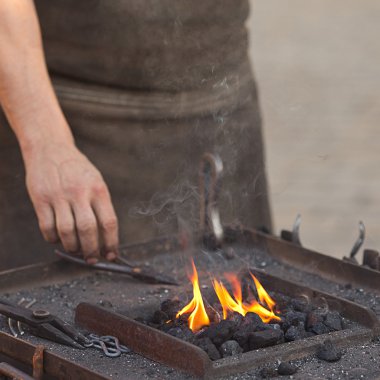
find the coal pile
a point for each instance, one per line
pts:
(300, 319)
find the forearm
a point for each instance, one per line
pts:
(26, 93)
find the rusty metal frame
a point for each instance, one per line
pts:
(299, 257)
(166, 349)
(53, 365)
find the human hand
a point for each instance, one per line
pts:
(72, 201)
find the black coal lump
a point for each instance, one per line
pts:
(238, 318)
(221, 332)
(170, 308)
(206, 345)
(182, 332)
(300, 304)
(230, 348)
(253, 320)
(266, 338)
(333, 321)
(242, 335)
(293, 318)
(286, 369)
(160, 317)
(313, 318)
(320, 328)
(328, 352)
(295, 333)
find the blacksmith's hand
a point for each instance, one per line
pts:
(72, 201)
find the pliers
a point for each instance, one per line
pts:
(121, 266)
(45, 325)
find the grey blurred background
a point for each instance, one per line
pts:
(317, 65)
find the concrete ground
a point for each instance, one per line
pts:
(317, 64)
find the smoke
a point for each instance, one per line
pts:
(178, 204)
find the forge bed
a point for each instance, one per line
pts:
(60, 287)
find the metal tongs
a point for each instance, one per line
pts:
(121, 265)
(44, 325)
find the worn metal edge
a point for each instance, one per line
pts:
(144, 340)
(327, 267)
(287, 351)
(54, 365)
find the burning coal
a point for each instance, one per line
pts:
(198, 317)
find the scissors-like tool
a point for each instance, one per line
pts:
(45, 325)
(122, 266)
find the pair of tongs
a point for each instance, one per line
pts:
(45, 325)
(120, 265)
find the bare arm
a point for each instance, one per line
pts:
(69, 195)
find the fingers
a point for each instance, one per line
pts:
(108, 224)
(87, 230)
(66, 226)
(46, 221)
(81, 223)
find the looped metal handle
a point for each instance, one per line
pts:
(210, 171)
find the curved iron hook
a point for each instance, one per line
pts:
(359, 242)
(210, 171)
(296, 230)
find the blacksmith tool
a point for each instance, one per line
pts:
(210, 172)
(44, 325)
(293, 236)
(359, 242)
(121, 266)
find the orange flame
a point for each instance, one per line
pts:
(264, 297)
(228, 303)
(198, 317)
(236, 304)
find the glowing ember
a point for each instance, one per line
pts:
(198, 317)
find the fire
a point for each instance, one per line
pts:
(263, 295)
(236, 304)
(198, 316)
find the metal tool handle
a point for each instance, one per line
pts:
(210, 171)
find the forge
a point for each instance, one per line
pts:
(250, 302)
(113, 304)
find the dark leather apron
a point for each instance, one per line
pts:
(147, 88)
